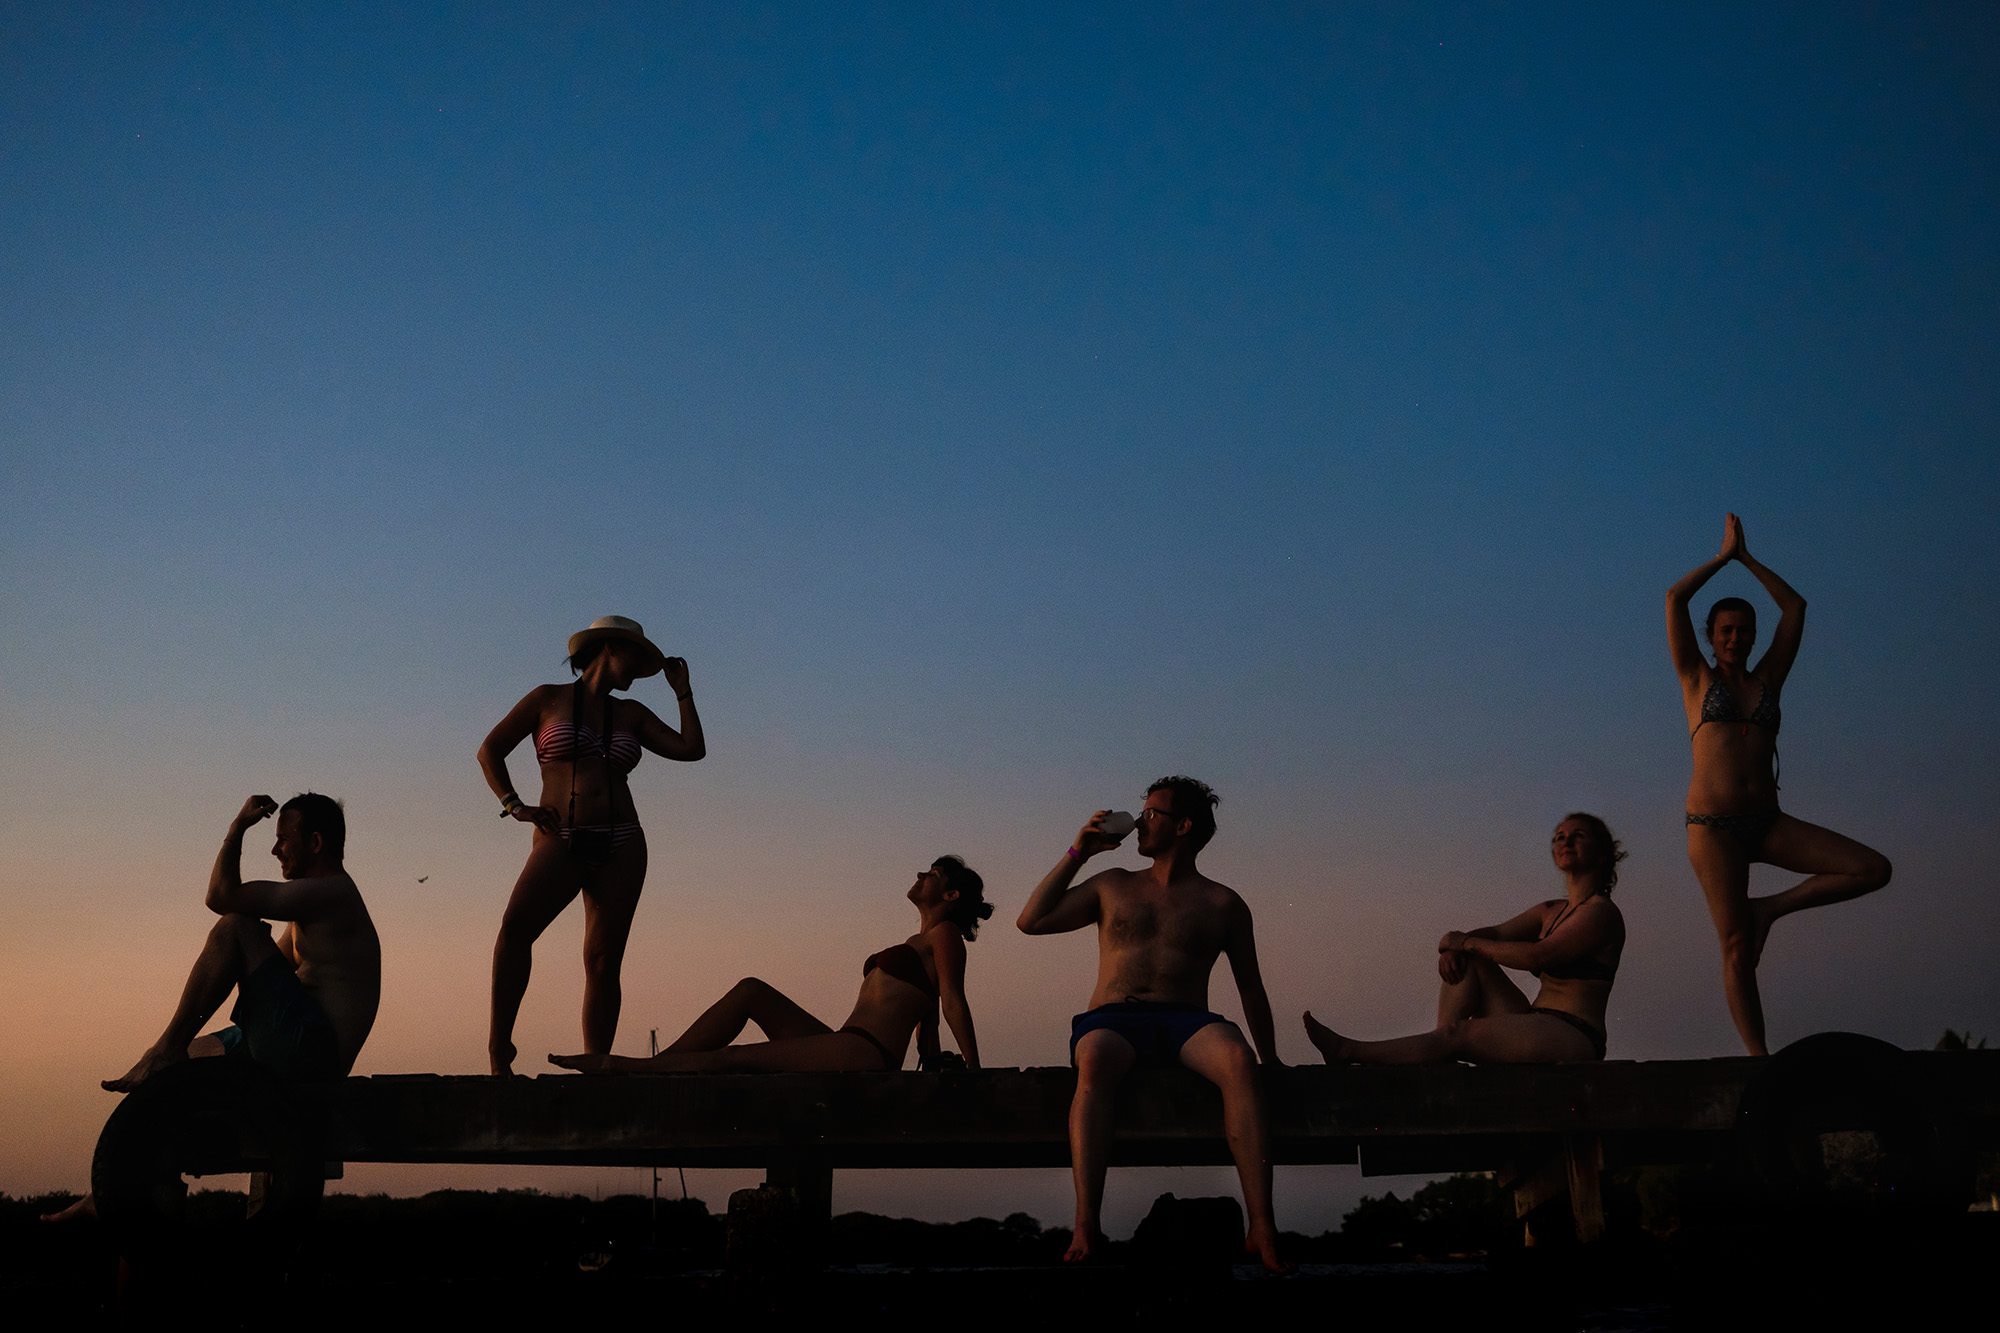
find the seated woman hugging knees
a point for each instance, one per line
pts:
(1571, 943)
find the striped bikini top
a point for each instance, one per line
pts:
(562, 741)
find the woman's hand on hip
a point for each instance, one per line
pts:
(541, 816)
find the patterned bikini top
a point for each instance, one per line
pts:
(1719, 705)
(565, 742)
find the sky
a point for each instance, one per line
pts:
(999, 407)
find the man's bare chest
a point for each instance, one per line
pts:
(1145, 923)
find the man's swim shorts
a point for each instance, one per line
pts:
(280, 1025)
(1157, 1031)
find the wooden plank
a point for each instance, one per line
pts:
(1015, 1117)
(1409, 1119)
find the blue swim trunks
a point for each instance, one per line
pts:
(281, 1026)
(1157, 1031)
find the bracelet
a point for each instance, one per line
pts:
(510, 803)
(1073, 853)
(685, 697)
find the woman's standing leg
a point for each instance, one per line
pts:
(1723, 867)
(547, 885)
(609, 901)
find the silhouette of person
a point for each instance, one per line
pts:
(902, 989)
(587, 836)
(304, 1003)
(1733, 817)
(1571, 943)
(1159, 932)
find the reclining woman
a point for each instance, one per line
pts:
(1572, 943)
(902, 989)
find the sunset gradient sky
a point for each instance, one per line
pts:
(999, 406)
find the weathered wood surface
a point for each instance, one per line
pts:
(1423, 1118)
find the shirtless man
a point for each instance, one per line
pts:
(1160, 931)
(305, 1002)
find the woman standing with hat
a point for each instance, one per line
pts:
(587, 834)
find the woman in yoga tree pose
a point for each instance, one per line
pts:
(1732, 803)
(1572, 943)
(902, 988)
(587, 835)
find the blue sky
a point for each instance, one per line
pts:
(998, 407)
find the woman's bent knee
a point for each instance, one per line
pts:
(1879, 870)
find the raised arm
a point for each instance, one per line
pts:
(1784, 649)
(309, 899)
(687, 744)
(1242, 951)
(1055, 907)
(948, 952)
(1682, 644)
(225, 878)
(517, 726)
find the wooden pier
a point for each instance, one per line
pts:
(1834, 1113)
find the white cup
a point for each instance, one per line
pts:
(1117, 824)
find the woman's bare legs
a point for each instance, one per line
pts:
(550, 882)
(1724, 871)
(1838, 867)
(798, 1041)
(822, 1052)
(609, 903)
(748, 1001)
(1468, 1027)
(1484, 990)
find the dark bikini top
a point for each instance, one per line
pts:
(1583, 969)
(1719, 705)
(902, 962)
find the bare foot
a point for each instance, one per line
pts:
(1264, 1244)
(1331, 1044)
(151, 1063)
(76, 1212)
(583, 1064)
(1083, 1245)
(500, 1059)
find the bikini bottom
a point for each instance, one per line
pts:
(889, 1059)
(596, 844)
(1597, 1043)
(1749, 830)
